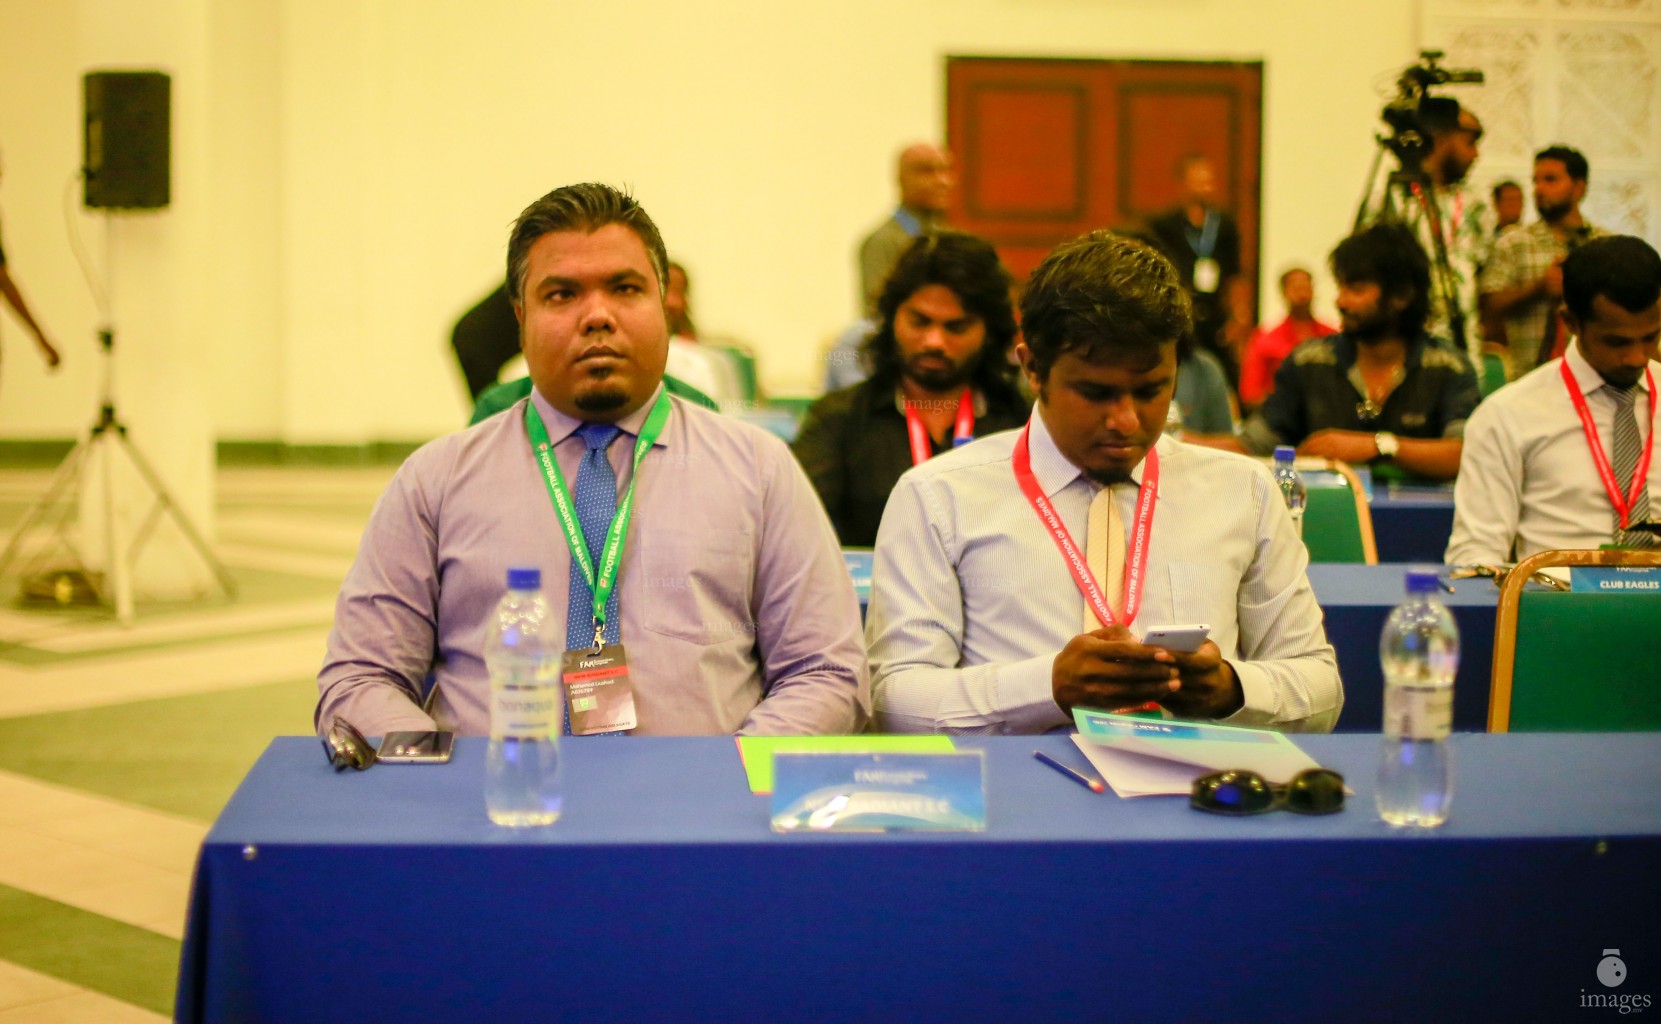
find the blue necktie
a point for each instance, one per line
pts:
(596, 500)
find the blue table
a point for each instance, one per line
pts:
(1357, 599)
(1411, 522)
(662, 895)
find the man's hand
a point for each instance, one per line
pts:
(1343, 445)
(1551, 285)
(47, 352)
(1209, 689)
(1109, 669)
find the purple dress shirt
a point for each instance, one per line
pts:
(736, 610)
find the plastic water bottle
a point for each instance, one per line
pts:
(1291, 484)
(1173, 420)
(1420, 654)
(522, 784)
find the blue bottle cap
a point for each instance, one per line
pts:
(1423, 581)
(1284, 453)
(524, 579)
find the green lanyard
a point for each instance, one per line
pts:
(611, 556)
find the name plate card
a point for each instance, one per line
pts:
(879, 792)
(1614, 579)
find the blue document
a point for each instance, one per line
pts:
(879, 792)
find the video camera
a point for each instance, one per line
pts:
(1410, 134)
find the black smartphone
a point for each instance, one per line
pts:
(416, 747)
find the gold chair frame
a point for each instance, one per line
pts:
(1363, 511)
(1505, 626)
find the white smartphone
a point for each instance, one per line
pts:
(1184, 639)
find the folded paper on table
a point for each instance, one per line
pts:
(757, 751)
(1149, 757)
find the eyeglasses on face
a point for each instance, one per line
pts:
(1237, 792)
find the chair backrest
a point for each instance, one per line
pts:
(1337, 521)
(1583, 662)
(744, 367)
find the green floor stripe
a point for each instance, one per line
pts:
(183, 755)
(120, 960)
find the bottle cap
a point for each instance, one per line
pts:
(524, 579)
(1284, 452)
(1423, 581)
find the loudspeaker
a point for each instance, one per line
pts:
(127, 141)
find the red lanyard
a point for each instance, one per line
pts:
(962, 432)
(1640, 475)
(1138, 561)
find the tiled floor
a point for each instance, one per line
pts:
(118, 744)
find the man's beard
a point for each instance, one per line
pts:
(945, 375)
(1554, 212)
(1376, 326)
(604, 400)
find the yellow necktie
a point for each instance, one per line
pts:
(1104, 552)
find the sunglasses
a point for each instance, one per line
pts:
(346, 747)
(1313, 791)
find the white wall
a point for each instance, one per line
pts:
(346, 170)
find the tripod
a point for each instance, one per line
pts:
(108, 437)
(1404, 190)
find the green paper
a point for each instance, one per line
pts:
(757, 751)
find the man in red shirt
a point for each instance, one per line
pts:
(1268, 347)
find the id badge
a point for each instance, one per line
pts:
(1207, 275)
(598, 694)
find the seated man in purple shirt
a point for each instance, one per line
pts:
(730, 593)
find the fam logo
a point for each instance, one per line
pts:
(1612, 974)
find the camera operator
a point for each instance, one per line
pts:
(1449, 136)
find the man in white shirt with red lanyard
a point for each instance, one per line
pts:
(1561, 458)
(1014, 576)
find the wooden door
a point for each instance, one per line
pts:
(1049, 149)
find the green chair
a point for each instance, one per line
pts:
(744, 364)
(1337, 521)
(1583, 662)
(1491, 374)
(497, 397)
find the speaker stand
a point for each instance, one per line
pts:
(107, 438)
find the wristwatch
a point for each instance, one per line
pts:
(1387, 444)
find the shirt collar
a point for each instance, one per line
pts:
(561, 426)
(1053, 470)
(1589, 379)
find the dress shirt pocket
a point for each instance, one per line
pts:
(1203, 592)
(698, 584)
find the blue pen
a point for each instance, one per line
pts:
(1094, 785)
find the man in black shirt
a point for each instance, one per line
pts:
(1381, 390)
(941, 377)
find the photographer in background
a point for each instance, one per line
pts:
(14, 299)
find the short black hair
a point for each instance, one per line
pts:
(1502, 186)
(588, 208)
(967, 266)
(1572, 160)
(1296, 268)
(1438, 114)
(1623, 269)
(1105, 297)
(1387, 254)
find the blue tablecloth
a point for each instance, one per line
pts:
(662, 895)
(1411, 523)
